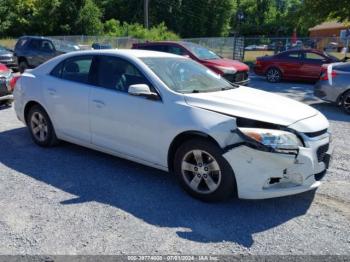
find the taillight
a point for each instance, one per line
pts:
(13, 82)
(324, 74)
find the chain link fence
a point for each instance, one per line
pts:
(241, 48)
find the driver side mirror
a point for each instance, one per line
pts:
(142, 90)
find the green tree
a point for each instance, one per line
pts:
(89, 19)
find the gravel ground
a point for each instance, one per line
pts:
(71, 200)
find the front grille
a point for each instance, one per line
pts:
(6, 58)
(321, 152)
(315, 134)
(236, 78)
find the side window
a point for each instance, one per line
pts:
(118, 74)
(75, 69)
(313, 56)
(158, 48)
(293, 55)
(47, 46)
(21, 42)
(175, 50)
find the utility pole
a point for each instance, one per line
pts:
(145, 7)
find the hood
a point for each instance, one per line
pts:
(239, 66)
(5, 53)
(253, 104)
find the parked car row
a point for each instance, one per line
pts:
(31, 51)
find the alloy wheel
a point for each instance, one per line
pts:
(346, 103)
(273, 75)
(201, 171)
(39, 126)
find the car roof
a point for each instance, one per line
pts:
(35, 37)
(139, 53)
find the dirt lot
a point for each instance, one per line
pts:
(71, 200)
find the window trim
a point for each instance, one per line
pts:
(96, 61)
(63, 62)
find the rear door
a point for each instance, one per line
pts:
(311, 67)
(67, 97)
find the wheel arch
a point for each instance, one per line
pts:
(22, 58)
(273, 66)
(28, 106)
(340, 97)
(182, 138)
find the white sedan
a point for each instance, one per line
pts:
(171, 113)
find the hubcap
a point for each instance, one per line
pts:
(39, 126)
(346, 103)
(273, 75)
(201, 171)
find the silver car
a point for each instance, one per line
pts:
(334, 85)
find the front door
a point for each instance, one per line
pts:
(121, 122)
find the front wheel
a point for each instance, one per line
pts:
(23, 65)
(273, 75)
(203, 172)
(345, 103)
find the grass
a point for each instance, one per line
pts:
(8, 42)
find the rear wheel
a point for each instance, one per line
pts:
(345, 103)
(273, 75)
(203, 172)
(40, 127)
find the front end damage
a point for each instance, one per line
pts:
(264, 173)
(261, 174)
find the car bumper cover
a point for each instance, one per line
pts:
(261, 175)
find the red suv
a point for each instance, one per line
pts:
(233, 70)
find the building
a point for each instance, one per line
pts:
(327, 29)
(329, 35)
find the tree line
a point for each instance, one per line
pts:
(169, 19)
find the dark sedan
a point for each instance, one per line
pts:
(293, 65)
(7, 58)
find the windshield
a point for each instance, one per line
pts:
(2, 48)
(185, 75)
(200, 51)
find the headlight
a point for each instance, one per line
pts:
(226, 70)
(281, 141)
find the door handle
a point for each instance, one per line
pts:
(99, 103)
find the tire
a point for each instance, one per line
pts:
(345, 102)
(23, 65)
(40, 127)
(203, 172)
(274, 75)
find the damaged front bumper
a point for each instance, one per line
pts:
(262, 174)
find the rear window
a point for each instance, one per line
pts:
(21, 43)
(159, 48)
